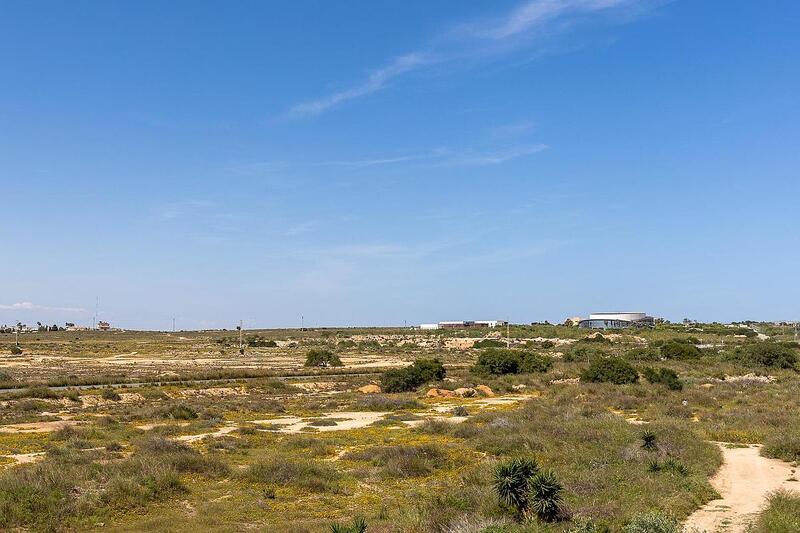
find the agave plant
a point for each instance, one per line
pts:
(649, 440)
(545, 496)
(511, 482)
(359, 525)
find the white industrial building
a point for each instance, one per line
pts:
(617, 320)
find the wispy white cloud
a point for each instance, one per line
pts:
(537, 13)
(375, 81)
(486, 37)
(388, 160)
(499, 157)
(29, 306)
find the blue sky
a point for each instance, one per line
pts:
(366, 163)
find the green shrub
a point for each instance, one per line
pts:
(545, 496)
(664, 376)
(16, 350)
(653, 522)
(179, 412)
(511, 482)
(769, 354)
(499, 361)
(680, 350)
(323, 358)
(110, 394)
(489, 343)
(610, 370)
(649, 440)
(409, 378)
(260, 342)
(358, 525)
(534, 362)
(579, 352)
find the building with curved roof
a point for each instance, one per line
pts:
(617, 320)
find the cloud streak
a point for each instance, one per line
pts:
(506, 33)
(29, 306)
(377, 80)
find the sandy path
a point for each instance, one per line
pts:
(744, 480)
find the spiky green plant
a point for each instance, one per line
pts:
(358, 525)
(545, 496)
(511, 482)
(648, 440)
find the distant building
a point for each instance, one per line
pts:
(105, 326)
(572, 321)
(429, 326)
(471, 324)
(617, 320)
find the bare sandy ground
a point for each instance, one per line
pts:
(344, 420)
(38, 427)
(744, 480)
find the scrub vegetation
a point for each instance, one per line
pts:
(455, 432)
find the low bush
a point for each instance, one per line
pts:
(680, 350)
(409, 378)
(16, 350)
(257, 341)
(179, 412)
(610, 370)
(663, 376)
(110, 394)
(581, 352)
(322, 358)
(499, 361)
(768, 354)
(489, 343)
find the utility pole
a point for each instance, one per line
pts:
(173, 324)
(302, 326)
(508, 334)
(241, 346)
(16, 336)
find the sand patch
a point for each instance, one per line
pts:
(230, 428)
(344, 420)
(38, 427)
(744, 480)
(214, 392)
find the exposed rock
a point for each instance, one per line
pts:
(483, 389)
(465, 392)
(519, 386)
(440, 393)
(369, 389)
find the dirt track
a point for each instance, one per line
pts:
(744, 480)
